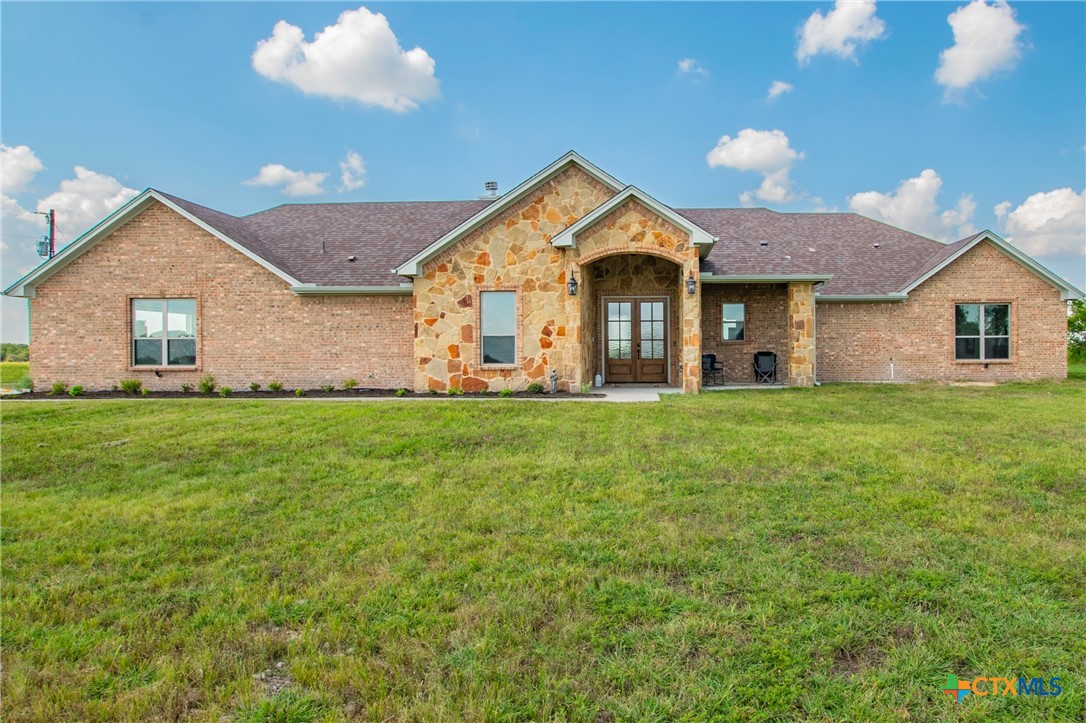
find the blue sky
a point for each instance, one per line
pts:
(169, 96)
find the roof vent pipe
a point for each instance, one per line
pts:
(763, 242)
(491, 191)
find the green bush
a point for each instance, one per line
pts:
(328, 387)
(76, 391)
(207, 384)
(401, 392)
(131, 386)
(455, 392)
(350, 384)
(145, 392)
(254, 387)
(186, 388)
(299, 392)
(586, 388)
(535, 388)
(25, 383)
(225, 392)
(275, 386)
(58, 388)
(507, 392)
(433, 392)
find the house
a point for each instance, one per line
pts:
(571, 272)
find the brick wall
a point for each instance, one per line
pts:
(250, 326)
(859, 341)
(766, 327)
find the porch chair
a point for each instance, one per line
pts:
(710, 370)
(765, 367)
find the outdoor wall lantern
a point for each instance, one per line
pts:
(691, 284)
(571, 285)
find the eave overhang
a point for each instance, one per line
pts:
(699, 237)
(413, 266)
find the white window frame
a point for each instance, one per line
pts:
(516, 330)
(723, 319)
(981, 336)
(165, 333)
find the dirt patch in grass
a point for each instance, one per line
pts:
(851, 661)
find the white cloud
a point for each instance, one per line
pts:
(79, 202)
(18, 165)
(358, 58)
(352, 170)
(85, 200)
(768, 153)
(913, 206)
(1047, 224)
(294, 183)
(850, 25)
(691, 66)
(985, 42)
(779, 87)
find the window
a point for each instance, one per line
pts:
(735, 322)
(163, 332)
(499, 326)
(982, 331)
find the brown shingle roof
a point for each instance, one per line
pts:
(842, 244)
(312, 242)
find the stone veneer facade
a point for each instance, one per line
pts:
(252, 328)
(556, 332)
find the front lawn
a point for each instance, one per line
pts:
(826, 554)
(13, 374)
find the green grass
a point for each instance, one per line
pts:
(13, 373)
(823, 554)
(1076, 370)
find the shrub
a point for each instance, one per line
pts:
(535, 388)
(275, 386)
(401, 392)
(299, 392)
(131, 386)
(25, 383)
(328, 387)
(350, 384)
(207, 384)
(186, 388)
(76, 391)
(507, 392)
(115, 388)
(58, 388)
(145, 392)
(433, 391)
(586, 388)
(254, 387)
(455, 392)
(225, 392)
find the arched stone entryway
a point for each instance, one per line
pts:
(631, 316)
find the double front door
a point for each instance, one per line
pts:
(635, 339)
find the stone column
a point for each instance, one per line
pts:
(801, 334)
(691, 325)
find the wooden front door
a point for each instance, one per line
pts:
(635, 340)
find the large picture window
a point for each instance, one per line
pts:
(499, 326)
(163, 332)
(735, 322)
(982, 331)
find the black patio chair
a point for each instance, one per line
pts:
(765, 367)
(710, 370)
